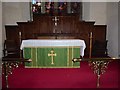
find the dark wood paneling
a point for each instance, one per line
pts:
(99, 32)
(67, 27)
(99, 41)
(12, 33)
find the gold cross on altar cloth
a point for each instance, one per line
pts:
(52, 54)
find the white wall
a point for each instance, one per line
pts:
(95, 11)
(0, 42)
(0, 30)
(112, 28)
(86, 11)
(15, 11)
(119, 29)
(98, 12)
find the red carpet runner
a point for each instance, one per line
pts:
(82, 77)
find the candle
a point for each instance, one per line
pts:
(20, 33)
(91, 34)
(55, 23)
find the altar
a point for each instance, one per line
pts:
(55, 53)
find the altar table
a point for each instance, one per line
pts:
(55, 53)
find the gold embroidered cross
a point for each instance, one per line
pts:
(52, 54)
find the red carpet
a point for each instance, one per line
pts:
(82, 77)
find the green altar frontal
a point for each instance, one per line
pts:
(52, 57)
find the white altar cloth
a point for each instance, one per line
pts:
(54, 42)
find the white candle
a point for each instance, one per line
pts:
(91, 34)
(55, 23)
(20, 33)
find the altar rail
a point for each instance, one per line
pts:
(98, 65)
(8, 64)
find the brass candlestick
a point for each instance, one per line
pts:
(90, 52)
